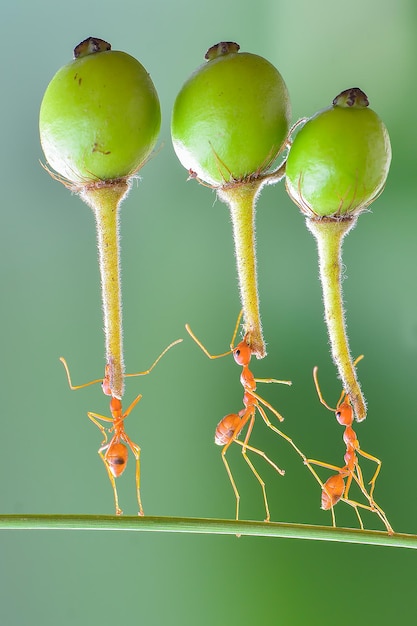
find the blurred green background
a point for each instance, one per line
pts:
(178, 267)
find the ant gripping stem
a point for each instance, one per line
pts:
(337, 487)
(231, 426)
(114, 452)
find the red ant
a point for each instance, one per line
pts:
(114, 453)
(231, 426)
(335, 488)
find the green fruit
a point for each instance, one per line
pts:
(231, 117)
(339, 161)
(100, 115)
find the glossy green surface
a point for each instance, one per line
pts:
(339, 161)
(230, 118)
(100, 117)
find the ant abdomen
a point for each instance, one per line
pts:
(226, 429)
(332, 491)
(116, 457)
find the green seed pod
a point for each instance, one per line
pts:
(339, 160)
(231, 117)
(100, 115)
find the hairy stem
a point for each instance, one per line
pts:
(329, 234)
(105, 201)
(206, 526)
(241, 199)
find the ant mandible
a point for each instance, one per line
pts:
(114, 453)
(337, 487)
(232, 425)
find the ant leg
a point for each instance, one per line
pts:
(325, 465)
(239, 319)
(316, 476)
(383, 518)
(131, 406)
(136, 453)
(306, 461)
(261, 453)
(353, 503)
(378, 462)
(226, 464)
(270, 407)
(251, 416)
(279, 432)
(203, 347)
(333, 513)
(144, 373)
(373, 506)
(261, 482)
(350, 477)
(94, 417)
(232, 481)
(320, 395)
(273, 380)
(357, 476)
(356, 506)
(75, 387)
(111, 478)
(133, 446)
(245, 445)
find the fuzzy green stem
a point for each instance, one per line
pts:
(105, 201)
(329, 234)
(241, 199)
(206, 526)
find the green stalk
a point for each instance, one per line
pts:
(206, 526)
(105, 200)
(241, 199)
(329, 234)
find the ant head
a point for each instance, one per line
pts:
(242, 353)
(332, 491)
(344, 412)
(116, 457)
